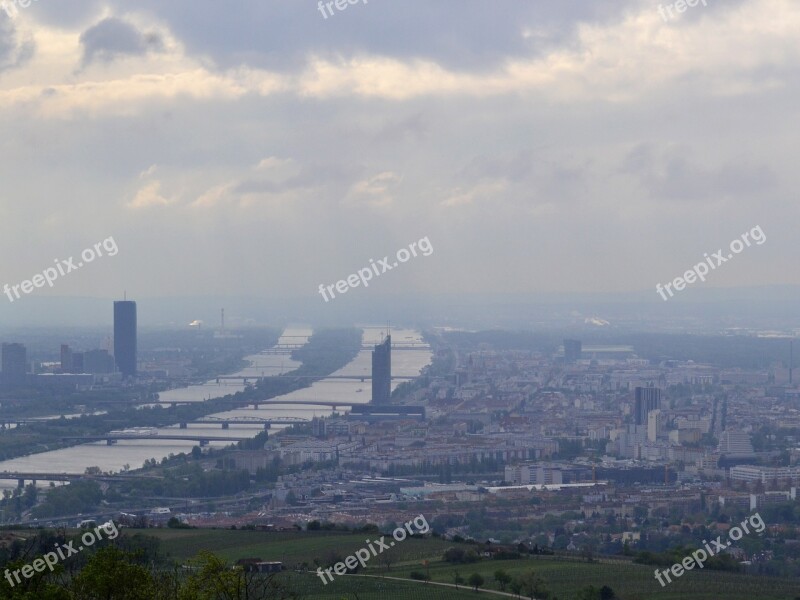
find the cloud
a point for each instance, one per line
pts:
(539, 138)
(677, 173)
(112, 38)
(377, 191)
(462, 35)
(15, 51)
(150, 196)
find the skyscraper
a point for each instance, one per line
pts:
(15, 365)
(66, 359)
(125, 337)
(572, 351)
(382, 372)
(647, 399)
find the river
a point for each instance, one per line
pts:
(134, 452)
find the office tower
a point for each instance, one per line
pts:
(15, 365)
(382, 372)
(125, 337)
(572, 351)
(77, 363)
(647, 399)
(66, 359)
(654, 424)
(98, 362)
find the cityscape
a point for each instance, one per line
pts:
(369, 300)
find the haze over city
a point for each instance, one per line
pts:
(426, 300)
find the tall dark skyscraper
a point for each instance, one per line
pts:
(572, 351)
(15, 365)
(647, 399)
(125, 337)
(66, 359)
(382, 372)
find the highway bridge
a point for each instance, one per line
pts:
(227, 422)
(113, 438)
(246, 378)
(22, 477)
(258, 403)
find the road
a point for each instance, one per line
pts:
(450, 585)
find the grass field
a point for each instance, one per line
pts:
(563, 578)
(368, 588)
(288, 547)
(630, 581)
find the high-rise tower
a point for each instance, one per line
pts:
(382, 372)
(647, 399)
(15, 365)
(125, 337)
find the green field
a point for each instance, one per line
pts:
(630, 581)
(564, 578)
(291, 548)
(369, 588)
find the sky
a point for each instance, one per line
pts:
(259, 148)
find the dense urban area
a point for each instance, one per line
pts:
(624, 449)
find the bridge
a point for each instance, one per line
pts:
(226, 422)
(113, 438)
(246, 378)
(401, 346)
(259, 403)
(22, 477)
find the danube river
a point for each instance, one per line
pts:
(134, 452)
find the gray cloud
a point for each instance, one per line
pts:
(14, 51)
(684, 175)
(112, 38)
(604, 161)
(460, 34)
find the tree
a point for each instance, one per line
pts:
(592, 593)
(476, 580)
(387, 558)
(502, 578)
(36, 587)
(606, 593)
(534, 586)
(454, 555)
(214, 579)
(457, 578)
(110, 574)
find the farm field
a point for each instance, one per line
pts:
(291, 548)
(564, 578)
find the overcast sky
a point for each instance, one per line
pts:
(257, 148)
